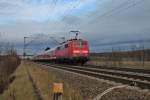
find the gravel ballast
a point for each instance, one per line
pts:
(89, 87)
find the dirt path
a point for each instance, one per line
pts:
(35, 88)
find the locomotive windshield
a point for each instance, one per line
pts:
(80, 44)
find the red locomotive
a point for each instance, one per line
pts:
(73, 51)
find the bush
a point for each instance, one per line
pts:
(8, 65)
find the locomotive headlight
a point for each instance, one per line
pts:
(76, 51)
(85, 51)
(80, 51)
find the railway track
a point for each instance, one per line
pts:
(137, 70)
(137, 77)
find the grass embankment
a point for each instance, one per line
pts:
(23, 87)
(20, 88)
(8, 65)
(102, 61)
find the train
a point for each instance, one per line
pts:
(73, 51)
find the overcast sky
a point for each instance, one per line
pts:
(100, 21)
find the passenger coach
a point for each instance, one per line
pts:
(72, 51)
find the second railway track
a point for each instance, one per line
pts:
(130, 77)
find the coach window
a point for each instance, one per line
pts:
(62, 47)
(66, 46)
(58, 48)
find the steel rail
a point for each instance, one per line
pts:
(127, 73)
(137, 70)
(134, 75)
(130, 78)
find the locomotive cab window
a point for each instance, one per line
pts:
(78, 44)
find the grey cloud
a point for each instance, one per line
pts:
(6, 5)
(127, 23)
(72, 20)
(8, 8)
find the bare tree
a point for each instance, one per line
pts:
(0, 48)
(9, 49)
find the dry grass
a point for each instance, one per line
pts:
(133, 64)
(22, 89)
(135, 58)
(44, 80)
(8, 65)
(119, 63)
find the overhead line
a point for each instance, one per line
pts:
(55, 3)
(124, 42)
(78, 3)
(128, 4)
(116, 8)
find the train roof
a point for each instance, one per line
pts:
(54, 48)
